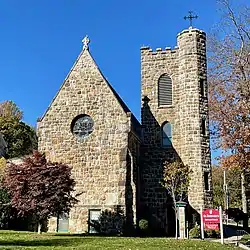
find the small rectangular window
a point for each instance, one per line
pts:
(94, 215)
(203, 126)
(202, 87)
(206, 180)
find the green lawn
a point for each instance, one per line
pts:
(23, 240)
(246, 240)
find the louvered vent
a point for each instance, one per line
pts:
(165, 90)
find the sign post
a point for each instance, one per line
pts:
(211, 219)
(221, 227)
(202, 225)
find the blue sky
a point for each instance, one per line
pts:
(40, 39)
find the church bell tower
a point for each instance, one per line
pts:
(175, 119)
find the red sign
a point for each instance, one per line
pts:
(211, 219)
(211, 226)
(211, 216)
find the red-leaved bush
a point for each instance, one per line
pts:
(40, 187)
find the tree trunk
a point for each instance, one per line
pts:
(39, 228)
(243, 193)
(176, 223)
(176, 214)
(244, 199)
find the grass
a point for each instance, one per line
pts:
(25, 240)
(245, 239)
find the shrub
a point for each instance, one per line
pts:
(212, 233)
(144, 228)
(195, 232)
(2, 168)
(5, 208)
(143, 225)
(110, 222)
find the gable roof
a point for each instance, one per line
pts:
(118, 98)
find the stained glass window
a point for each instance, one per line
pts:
(82, 126)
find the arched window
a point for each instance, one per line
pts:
(167, 134)
(165, 90)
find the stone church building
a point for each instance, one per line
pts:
(118, 161)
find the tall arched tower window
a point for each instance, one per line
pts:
(166, 134)
(165, 90)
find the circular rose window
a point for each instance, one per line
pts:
(82, 126)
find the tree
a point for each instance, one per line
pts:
(21, 139)
(10, 109)
(233, 180)
(2, 168)
(229, 88)
(110, 222)
(3, 146)
(41, 188)
(5, 208)
(176, 179)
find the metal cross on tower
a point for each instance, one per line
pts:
(190, 17)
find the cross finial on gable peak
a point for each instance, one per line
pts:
(86, 42)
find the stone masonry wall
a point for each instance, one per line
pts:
(154, 196)
(133, 181)
(99, 161)
(195, 147)
(185, 64)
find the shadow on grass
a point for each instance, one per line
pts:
(44, 242)
(73, 235)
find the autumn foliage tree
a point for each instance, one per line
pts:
(20, 138)
(229, 87)
(5, 208)
(10, 109)
(41, 188)
(233, 181)
(176, 178)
